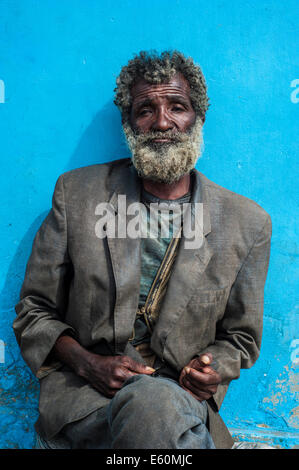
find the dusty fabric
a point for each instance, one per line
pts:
(77, 282)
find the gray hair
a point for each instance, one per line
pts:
(155, 69)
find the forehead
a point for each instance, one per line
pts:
(177, 85)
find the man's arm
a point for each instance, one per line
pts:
(106, 374)
(43, 295)
(239, 332)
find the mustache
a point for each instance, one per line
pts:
(150, 137)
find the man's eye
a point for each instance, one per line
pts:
(144, 112)
(177, 109)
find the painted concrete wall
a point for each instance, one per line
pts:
(58, 64)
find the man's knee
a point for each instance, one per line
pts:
(153, 412)
(139, 394)
(149, 396)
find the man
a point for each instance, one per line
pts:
(136, 339)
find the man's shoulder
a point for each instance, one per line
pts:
(94, 172)
(234, 206)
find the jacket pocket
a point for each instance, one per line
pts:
(210, 296)
(209, 303)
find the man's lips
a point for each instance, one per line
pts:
(162, 140)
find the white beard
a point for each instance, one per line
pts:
(165, 162)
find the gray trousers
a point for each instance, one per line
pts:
(146, 413)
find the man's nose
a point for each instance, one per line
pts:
(162, 122)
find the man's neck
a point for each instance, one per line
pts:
(168, 191)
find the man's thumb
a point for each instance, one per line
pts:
(205, 359)
(141, 368)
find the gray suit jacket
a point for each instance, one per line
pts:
(89, 286)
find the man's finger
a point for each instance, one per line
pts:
(195, 392)
(195, 376)
(120, 377)
(182, 375)
(207, 370)
(204, 359)
(138, 367)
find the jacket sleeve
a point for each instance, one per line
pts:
(44, 293)
(239, 333)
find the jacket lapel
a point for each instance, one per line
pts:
(125, 257)
(185, 278)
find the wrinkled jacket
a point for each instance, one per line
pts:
(89, 286)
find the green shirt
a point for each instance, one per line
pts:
(152, 253)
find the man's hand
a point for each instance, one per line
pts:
(107, 374)
(200, 380)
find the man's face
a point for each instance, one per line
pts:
(164, 134)
(162, 107)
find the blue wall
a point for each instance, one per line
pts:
(58, 64)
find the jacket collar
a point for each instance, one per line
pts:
(130, 184)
